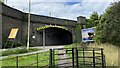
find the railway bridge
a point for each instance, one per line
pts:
(54, 31)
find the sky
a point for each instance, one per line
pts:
(65, 9)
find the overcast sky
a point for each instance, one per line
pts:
(67, 9)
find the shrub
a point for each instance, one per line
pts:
(9, 44)
(108, 29)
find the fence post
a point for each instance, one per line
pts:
(53, 58)
(50, 61)
(93, 58)
(16, 61)
(83, 56)
(76, 57)
(73, 57)
(37, 59)
(102, 56)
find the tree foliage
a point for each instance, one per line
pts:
(108, 29)
(93, 20)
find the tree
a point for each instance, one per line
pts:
(108, 29)
(93, 20)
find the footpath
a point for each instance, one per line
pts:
(63, 63)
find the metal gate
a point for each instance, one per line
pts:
(77, 58)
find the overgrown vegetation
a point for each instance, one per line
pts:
(107, 25)
(10, 44)
(111, 53)
(93, 20)
(18, 50)
(77, 34)
(108, 29)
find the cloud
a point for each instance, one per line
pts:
(71, 11)
(98, 0)
(44, 0)
(62, 0)
(68, 9)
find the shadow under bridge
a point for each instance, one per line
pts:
(55, 36)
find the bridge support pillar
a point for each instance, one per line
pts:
(79, 26)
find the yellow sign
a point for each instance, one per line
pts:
(13, 33)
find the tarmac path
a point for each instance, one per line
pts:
(63, 63)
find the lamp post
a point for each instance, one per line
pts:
(6, 1)
(28, 37)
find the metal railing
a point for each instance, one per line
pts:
(78, 58)
(53, 58)
(25, 60)
(91, 57)
(96, 59)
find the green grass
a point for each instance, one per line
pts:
(18, 50)
(56, 57)
(71, 45)
(27, 60)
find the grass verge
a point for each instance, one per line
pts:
(18, 50)
(28, 60)
(72, 45)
